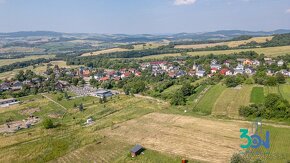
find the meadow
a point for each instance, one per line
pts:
(269, 52)
(229, 43)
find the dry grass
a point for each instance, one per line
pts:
(104, 51)
(230, 43)
(193, 138)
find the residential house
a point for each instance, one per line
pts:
(247, 62)
(249, 71)
(280, 63)
(200, 73)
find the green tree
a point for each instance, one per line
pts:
(178, 99)
(280, 78)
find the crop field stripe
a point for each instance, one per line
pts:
(207, 101)
(230, 100)
(257, 95)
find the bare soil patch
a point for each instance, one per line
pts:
(194, 138)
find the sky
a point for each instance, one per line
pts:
(143, 16)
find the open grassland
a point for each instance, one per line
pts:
(207, 101)
(39, 145)
(230, 100)
(230, 43)
(269, 51)
(257, 95)
(193, 138)
(279, 146)
(33, 57)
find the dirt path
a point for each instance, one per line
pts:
(54, 101)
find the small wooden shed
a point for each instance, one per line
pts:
(137, 149)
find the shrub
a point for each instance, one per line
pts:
(48, 123)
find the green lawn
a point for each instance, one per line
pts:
(206, 103)
(257, 95)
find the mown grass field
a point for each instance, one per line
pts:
(207, 101)
(257, 95)
(230, 43)
(230, 100)
(269, 51)
(33, 57)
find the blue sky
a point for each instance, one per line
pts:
(143, 16)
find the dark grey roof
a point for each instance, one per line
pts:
(136, 148)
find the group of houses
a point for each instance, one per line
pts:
(243, 66)
(17, 85)
(240, 66)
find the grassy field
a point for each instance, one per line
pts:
(230, 43)
(40, 145)
(10, 61)
(229, 102)
(118, 125)
(257, 95)
(279, 146)
(283, 90)
(206, 102)
(269, 51)
(189, 137)
(104, 51)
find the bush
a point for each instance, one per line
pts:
(236, 158)
(48, 123)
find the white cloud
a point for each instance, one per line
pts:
(184, 2)
(288, 11)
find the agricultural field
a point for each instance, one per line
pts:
(104, 51)
(192, 138)
(149, 45)
(229, 102)
(230, 43)
(33, 57)
(207, 101)
(257, 95)
(269, 51)
(20, 49)
(283, 90)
